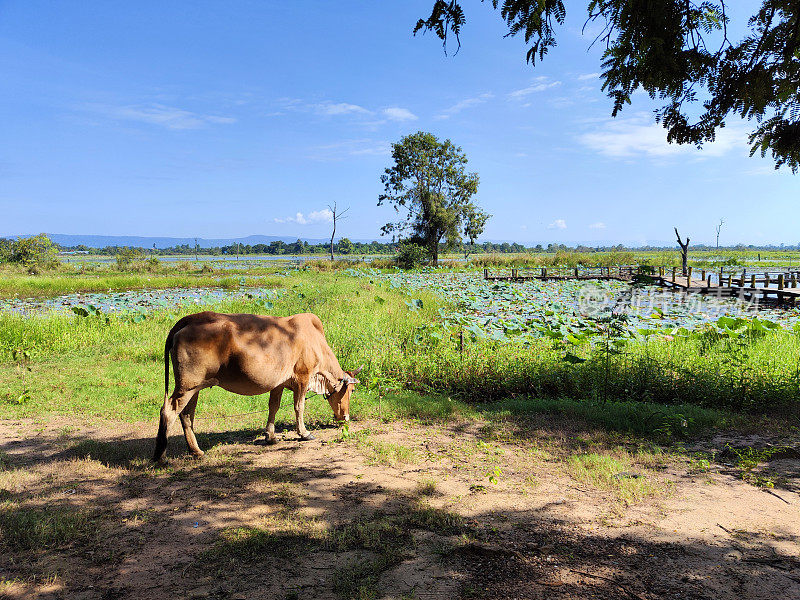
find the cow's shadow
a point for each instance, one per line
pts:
(136, 452)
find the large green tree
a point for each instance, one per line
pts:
(679, 52)
(431, 190)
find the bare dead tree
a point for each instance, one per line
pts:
(719, 227)
(337, 216)
(684, 252)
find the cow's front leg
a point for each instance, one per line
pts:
(274, 405)
(299, 408)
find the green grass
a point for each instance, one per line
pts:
(358, 580)
(387, 538)
(61, 284)
(23, 528)
(639, 418)
(292, 536)
(113, 368)
(386, 453)
(617, 474)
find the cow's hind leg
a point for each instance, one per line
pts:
(274, 405)
(173, 405)
(299, 409)
(187, 420)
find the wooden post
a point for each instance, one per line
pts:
(660, 271)
(544, 271)
(513, 273)
(766, 279)
(689, 277)
(708, 284)
(720, 276)
(673, 274)
(780, 281)
(703, 274)
(576, 272)
(753, 280)
(730, 279)
(486, 273)
(794, 280)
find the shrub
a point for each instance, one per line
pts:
(382, 263)
(126, 256)
(325, 265)
(33, 253)
(410, 255)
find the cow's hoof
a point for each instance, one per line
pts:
(198, 454)
(307, 437)
(271, 441)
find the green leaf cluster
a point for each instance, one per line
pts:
(679, 52)
(431, 191)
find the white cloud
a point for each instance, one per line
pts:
(638, 135)
(586, 76)
(763, 170)
(540, 85)
(340, 108)
(399, 114)
(159, 114)
(346, 148)
(598, 225)
(563, 102)
(320, 216)
(317, 216)
(558, 224)
(464, 104)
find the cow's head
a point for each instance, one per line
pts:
(339, 399)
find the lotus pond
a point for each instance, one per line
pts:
(494, 310)
(136, 301)
(500, 310)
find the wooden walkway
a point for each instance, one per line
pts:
(619, 273)
(780, 286)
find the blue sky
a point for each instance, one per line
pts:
(217, 119)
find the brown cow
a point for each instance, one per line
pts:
(250, 355)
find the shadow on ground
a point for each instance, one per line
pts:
(93, 519)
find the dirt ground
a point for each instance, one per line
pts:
(539, 508)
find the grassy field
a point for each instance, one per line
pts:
(46, 359)
(456, 442)
(87, 275)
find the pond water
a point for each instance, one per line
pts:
(223, 262)
(133, 300)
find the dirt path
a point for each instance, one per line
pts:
(535, 510)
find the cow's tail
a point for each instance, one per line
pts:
(167, 348)
(161, 437)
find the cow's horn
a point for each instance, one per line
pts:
(358, 370)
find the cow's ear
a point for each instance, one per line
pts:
(319, 384)
(331, 382)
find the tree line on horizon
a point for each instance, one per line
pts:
(346, 247)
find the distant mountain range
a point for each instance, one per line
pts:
(101, 241)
